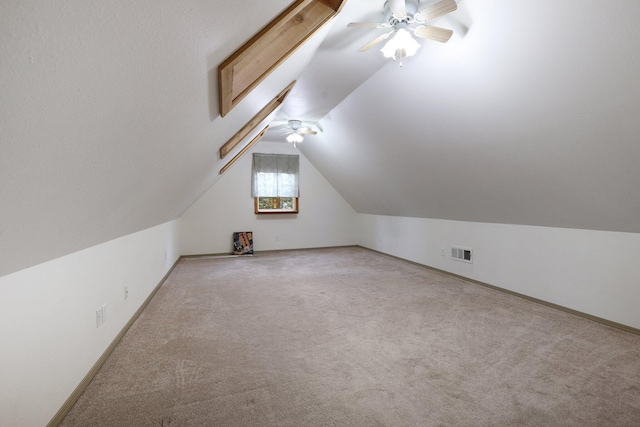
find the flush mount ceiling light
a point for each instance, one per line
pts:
(404, 17)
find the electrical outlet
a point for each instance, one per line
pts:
(104, 312)
(441, 251)
(277, 237)
(98, 317)
(126, 292)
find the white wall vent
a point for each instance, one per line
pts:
(462, 254)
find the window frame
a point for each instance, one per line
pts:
(262, 211)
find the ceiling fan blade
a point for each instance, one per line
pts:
(435, 10)
(273, 123)
(278, 127)
(368, 25)
(374, 42)
(398, 8)
(430, 32)
(307, 131)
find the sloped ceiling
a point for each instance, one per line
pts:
(109, 121)
(529, 117)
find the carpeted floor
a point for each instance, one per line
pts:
(349, 337)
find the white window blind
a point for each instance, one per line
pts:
(275, 175)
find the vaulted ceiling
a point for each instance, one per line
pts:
(109, 120)
(528, 117)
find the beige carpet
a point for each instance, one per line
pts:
(349, 337)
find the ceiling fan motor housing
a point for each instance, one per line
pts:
(411, 7)
(295, 124)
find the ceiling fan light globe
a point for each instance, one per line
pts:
(400, 46)
(294, 138)
(407, 42)
(389, 49)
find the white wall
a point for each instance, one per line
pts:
(49, 339)
(325, 218)
(48, 334)
(594, 272)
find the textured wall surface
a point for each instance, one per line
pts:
(109, 115)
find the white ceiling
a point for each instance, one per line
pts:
(528, 117)
(109, 121)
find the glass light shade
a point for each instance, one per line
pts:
(400, 46)
(294, 137)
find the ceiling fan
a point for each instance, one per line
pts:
(405, 17)
(295, 129)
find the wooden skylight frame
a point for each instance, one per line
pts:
(242, 152)
(251, 124)
(255, 60)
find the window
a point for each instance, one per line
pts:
(275, 183)
(276, 205)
